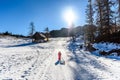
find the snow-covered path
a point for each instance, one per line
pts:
(22, 60)
(57, 72)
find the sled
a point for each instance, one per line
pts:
(56, 63)
(62, 62)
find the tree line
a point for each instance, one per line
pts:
(63, 32)
(102, 18)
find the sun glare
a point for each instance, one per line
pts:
(69, 16)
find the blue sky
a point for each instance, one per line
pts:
(16, 15)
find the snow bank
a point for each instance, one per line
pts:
(91, 67)
(107, 47)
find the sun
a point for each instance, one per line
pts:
(69, 16)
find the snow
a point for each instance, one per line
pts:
(22, 60)
(107, 47)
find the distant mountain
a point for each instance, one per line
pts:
(65, 32)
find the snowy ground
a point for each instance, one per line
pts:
(22, 60)
(105, 46)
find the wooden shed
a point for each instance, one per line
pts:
(39, 37)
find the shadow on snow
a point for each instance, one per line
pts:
(83, 60)
(22, 45)
(80, 73)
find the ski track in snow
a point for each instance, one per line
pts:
(22, 60)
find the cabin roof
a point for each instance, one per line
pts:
(38, 36)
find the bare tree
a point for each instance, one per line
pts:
(47, 33)
(32, 29)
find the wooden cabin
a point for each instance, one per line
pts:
(39, 37)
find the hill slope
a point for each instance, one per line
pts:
(22, 60)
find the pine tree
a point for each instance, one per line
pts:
(105, 15)
(89, 29)
(99, 12)
(89, 13)
(108, 15)
(118, 2)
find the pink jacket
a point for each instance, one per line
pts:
(59, 55)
